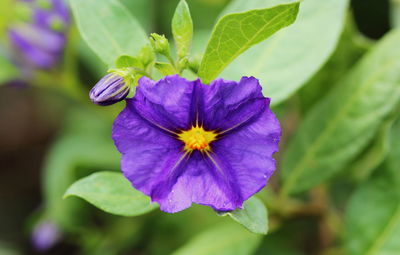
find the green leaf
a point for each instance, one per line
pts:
(7, 70)
(289, 59)
(165, 68)
(84, 143)
(350, 48)
(253, 216)
(108, 28)
(91, 60)
(112, 193)
(182, 28)
(221, 240)
(237, 32)
(343, 122)
(128, 61)
(143, 11)
(375, 154)
(393, 158)
(373, 218)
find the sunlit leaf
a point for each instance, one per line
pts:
(237, 32)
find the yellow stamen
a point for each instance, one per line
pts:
(197, 138)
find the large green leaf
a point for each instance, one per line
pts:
(108, 28)
(350, 48)
(142, 10)
(222, 240)
(373, 218)
(112, 193)
(339, 126)
(237, 32)
(253, 216)
(286, 61)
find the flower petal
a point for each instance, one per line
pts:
(146, 151)
(198, 179)
(247, 152)
(228, 104)
(166, 102)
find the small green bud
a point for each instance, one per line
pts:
(160, 44)
(56, 24)
(146, 55)
(194, 63)
(183, 63)
(44, 4)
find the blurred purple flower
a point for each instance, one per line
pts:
(183, 141)
(45, 236)
(40, 41)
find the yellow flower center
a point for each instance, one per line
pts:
(197, 138)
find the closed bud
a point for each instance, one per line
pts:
(160, 44)
(111, 89)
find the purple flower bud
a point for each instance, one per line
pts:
(45, 235)
(111, 89)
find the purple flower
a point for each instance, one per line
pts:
(45, 236)
(183, 141)
(55, 17)
(40, 41)
(110, 89)
(39, 47)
